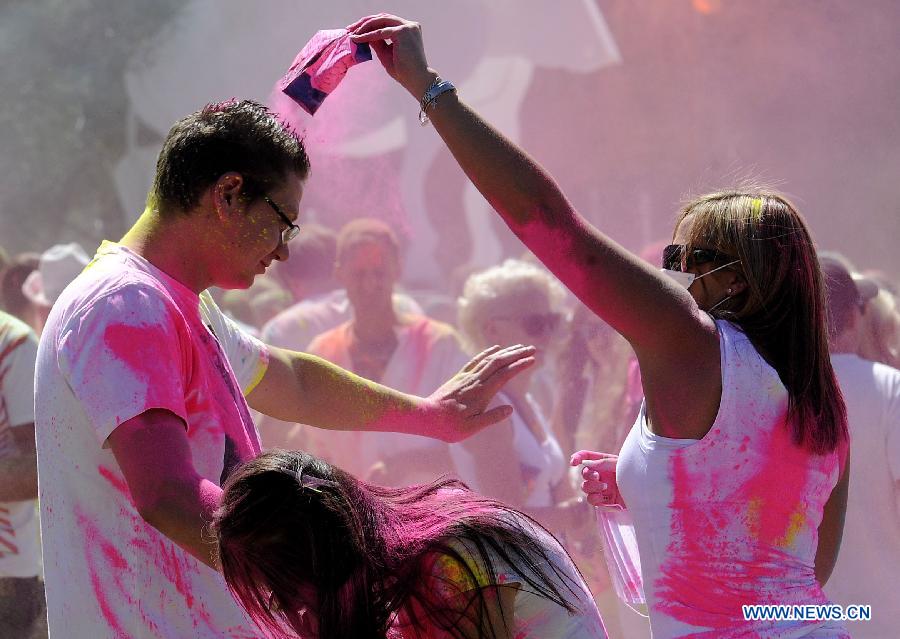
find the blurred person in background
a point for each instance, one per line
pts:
(58, 266)
(519, 461)
(319, 301)
(12, 299)
(879, 326)
(880, 329)
(404, 351)
(593, 403)
(870, 549)
(252, 307)
(22, 603)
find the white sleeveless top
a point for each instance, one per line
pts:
(732, 518)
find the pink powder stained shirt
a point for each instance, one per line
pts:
(122, 339)
(20, 548)
(732, 518)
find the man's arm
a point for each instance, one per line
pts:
(298, 387)
(153, 452)
(18, 471)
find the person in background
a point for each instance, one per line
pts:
(593, 407)
(59, 265)
(736, 471)
(309, 550)
(880, 329)
(879, 326)
(519, 461)
(22, 603)
(320, 302)
(406, 352)
(253, 307)
(12, 299)
(870, 549)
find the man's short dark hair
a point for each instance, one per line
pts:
(241, 136)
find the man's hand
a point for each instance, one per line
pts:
(459, 408)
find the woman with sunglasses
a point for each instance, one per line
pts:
(518, 461)
(735, 472)
(310, 551)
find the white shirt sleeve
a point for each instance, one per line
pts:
(248, 356)
(128, 352)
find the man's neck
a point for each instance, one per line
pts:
(171, 246)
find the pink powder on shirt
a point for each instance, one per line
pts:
(114, 560)
(130, 344)
(731, 542)
(115, 481)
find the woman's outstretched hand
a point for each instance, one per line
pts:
(398, 45)
(599, 474)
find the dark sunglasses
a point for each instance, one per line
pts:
(673, 257)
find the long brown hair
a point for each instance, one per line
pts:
(783, 310)
(289, 521)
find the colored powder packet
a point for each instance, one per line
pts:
(320, 66)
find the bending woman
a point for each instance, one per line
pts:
(309, 550)
(736, 469)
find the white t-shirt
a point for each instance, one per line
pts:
(869, 560)
(20, 550)
(123, 338)
(733, 518)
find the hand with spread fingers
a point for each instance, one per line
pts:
(460, 407)
(398, 45)
(599, 474)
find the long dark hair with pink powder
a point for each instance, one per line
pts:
(309, 550)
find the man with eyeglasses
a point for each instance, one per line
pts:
(141, 384)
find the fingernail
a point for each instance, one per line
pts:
(603, 485)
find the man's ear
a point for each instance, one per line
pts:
(226, 193)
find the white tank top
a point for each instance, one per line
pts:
(732, 518)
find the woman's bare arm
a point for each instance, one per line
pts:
(674, 340)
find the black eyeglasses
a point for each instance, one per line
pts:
(673, 257)
(292, 229)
